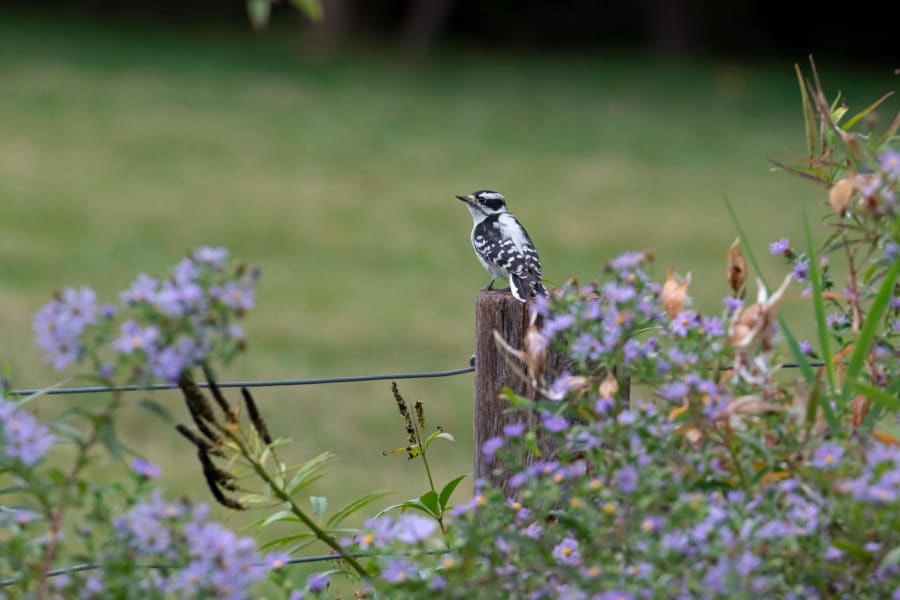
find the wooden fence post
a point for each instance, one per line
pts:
(499, 311)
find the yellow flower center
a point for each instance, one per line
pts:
(609, 508)
(595, 484)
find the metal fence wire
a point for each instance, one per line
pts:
(255, 384)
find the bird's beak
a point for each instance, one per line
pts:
(468, 199)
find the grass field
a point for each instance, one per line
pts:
(123, 147)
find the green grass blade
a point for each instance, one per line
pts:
(867, 334)
(819, 306)
(802, 362)
(877, 395)
(862, 114)
(809, 116)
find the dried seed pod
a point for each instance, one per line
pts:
(674, 293)
(255, 417)
(737, 268)
(198, 441)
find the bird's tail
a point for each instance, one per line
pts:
(522, 289)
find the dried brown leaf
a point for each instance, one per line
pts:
(737, 268)
(840, 194)
(674, 293)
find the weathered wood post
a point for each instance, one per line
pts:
(501, 312)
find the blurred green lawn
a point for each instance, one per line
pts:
(122, 147)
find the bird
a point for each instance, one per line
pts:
(502, 245)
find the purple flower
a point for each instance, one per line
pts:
(398, 570)
(142, 290)
(135, 338)
(891, 251)
(712, 326)
(835, 319)
(276, 560)
(832, 553)
(628, 260)
(235, 295)
(747, 563)
(59, 324)
(557, 324)
(27, 439)
(732, 304)
(618, 293)
(627, 478)
(782, 246)
(613, 595)
(566, 552)
(827, 456)
(674, 391)
(511, 430)
(317, 582)
(801, 269)
(491, 445)
(683, 322)
(211, 256)
(145, 468)
(890, 163)
(554, 423)
(805, 347)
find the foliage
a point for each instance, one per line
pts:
(675, 457)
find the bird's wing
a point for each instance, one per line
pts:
(521, 255)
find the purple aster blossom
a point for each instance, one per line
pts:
(58, 325)
(613, 595)
(782, 246)
(491, 445)
(135, 338)
(627, 478)
(674, 391)
(557, 324)
(891, 251)
(675, 541)
(712, 326)
(593, 310)
(438, 583)
(185, 272)
(632, 350)
(732, 304)
(540, 305)
(626, 417)
(586, 347)
(554, 423)
(168, 364)
(533, 530)
(801, 269)
(566, 552)
(651, 524)
(398, 570)
(512, 430)
(317, 582)
(805, 347)
(628, 261)
(108, 311)
(145, 468)
(142, 290)
(27, 439)
(683, 322)
(216, 257)
(582, 440)
(835, 319)
(234, 295)
(832, 553)
(890, 163)
(827, 456)
(747, 563)
(618, 293)
(604, 405)
(276, 560)
(561, 386)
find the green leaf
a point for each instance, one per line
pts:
(354, 506)
(867, 333)
(280, 517)
(438, 434)
(891, 558)
(516, 400)
(430, 501)
(319, 506)
(157, 409)
(277, 542)
(447, 491)
(312, 8)
(852, 549)
(413, 503)
(862, 114)
(309, 472)
(809, 116)
(877, 395)
(106, 433)
(819, 306)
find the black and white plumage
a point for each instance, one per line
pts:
(502, 245)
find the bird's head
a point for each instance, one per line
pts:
(484, 203)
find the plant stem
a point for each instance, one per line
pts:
(320, 533)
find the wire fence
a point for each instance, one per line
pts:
(257, 384)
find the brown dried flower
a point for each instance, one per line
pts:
(674, 293)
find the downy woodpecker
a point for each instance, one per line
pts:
(503, 246)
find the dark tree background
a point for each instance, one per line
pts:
(746, 28)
